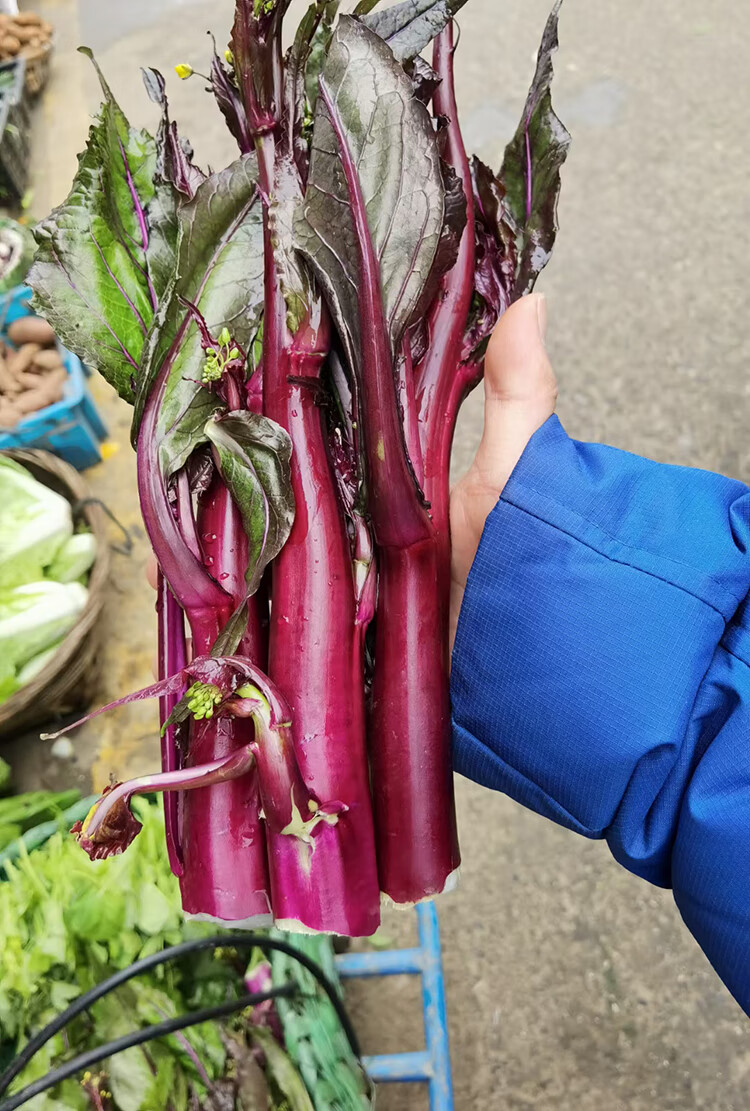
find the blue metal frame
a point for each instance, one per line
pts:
(431, 1065)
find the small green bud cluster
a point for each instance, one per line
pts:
(203, 698)
(217, 358)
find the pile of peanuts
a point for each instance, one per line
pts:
(32, 373)
(25, 35)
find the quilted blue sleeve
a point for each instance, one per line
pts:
(601, 673)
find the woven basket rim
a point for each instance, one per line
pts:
(77, 490)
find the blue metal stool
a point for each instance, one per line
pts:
(431, 1065)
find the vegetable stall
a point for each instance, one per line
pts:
(296, 333)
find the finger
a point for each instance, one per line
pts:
(520, 390)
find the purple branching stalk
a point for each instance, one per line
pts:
(417, 842)
(247, 699)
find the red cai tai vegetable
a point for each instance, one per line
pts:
(296, 333)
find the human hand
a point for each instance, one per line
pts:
(520, 393)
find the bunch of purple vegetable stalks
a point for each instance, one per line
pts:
(296, 334)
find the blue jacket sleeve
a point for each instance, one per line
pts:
(601, 673)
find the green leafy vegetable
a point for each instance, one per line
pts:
(313, 1034)
(34, 616)
(409, 27)
(254, 456)
(65, 926)
(391, 140)
(34, 524)
(73, 559)
(220, 272)
(531, 168)
(92, 277)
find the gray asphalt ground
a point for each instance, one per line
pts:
(572, 986)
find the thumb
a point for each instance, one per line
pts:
(520, 390)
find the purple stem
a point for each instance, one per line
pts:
(196, 592)
(440, 378)
(315, 653)
(183, 779)
(172, 660)
(398, 516)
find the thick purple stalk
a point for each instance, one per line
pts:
(221, 837)
(172, 659)
(223, 841)
(410, 753)
(315, 654)
(410, 726)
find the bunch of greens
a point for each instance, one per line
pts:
(44, 566)
(21, 813)
(65, 926)
(296, 333)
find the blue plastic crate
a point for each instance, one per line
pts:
(72, 427)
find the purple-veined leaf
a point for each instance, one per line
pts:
(220, 272)
(390, 139)
(91, 278)
(319, 44)
(175, 178)
(227, 96)
(446, 255)
(410, 26)
(253, 454)
(302, 65)
(371, 225)
(279, 1066)
(496, 259)
(531, 168)
(516, 212)
(174, 156)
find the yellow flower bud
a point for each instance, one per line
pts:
(183, 71)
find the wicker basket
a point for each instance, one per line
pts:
(68, 681)
(37, 69)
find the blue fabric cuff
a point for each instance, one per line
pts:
(596, 604)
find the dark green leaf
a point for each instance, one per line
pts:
(391, 139)
(409, 27)
(253, 455)
(319, 45)
(496, 259)
(174, 156)
(531, 168)
(91, 275)
(5, 776)
(96, 915)
(364, 7)
(281, 1073)
(220, 271)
